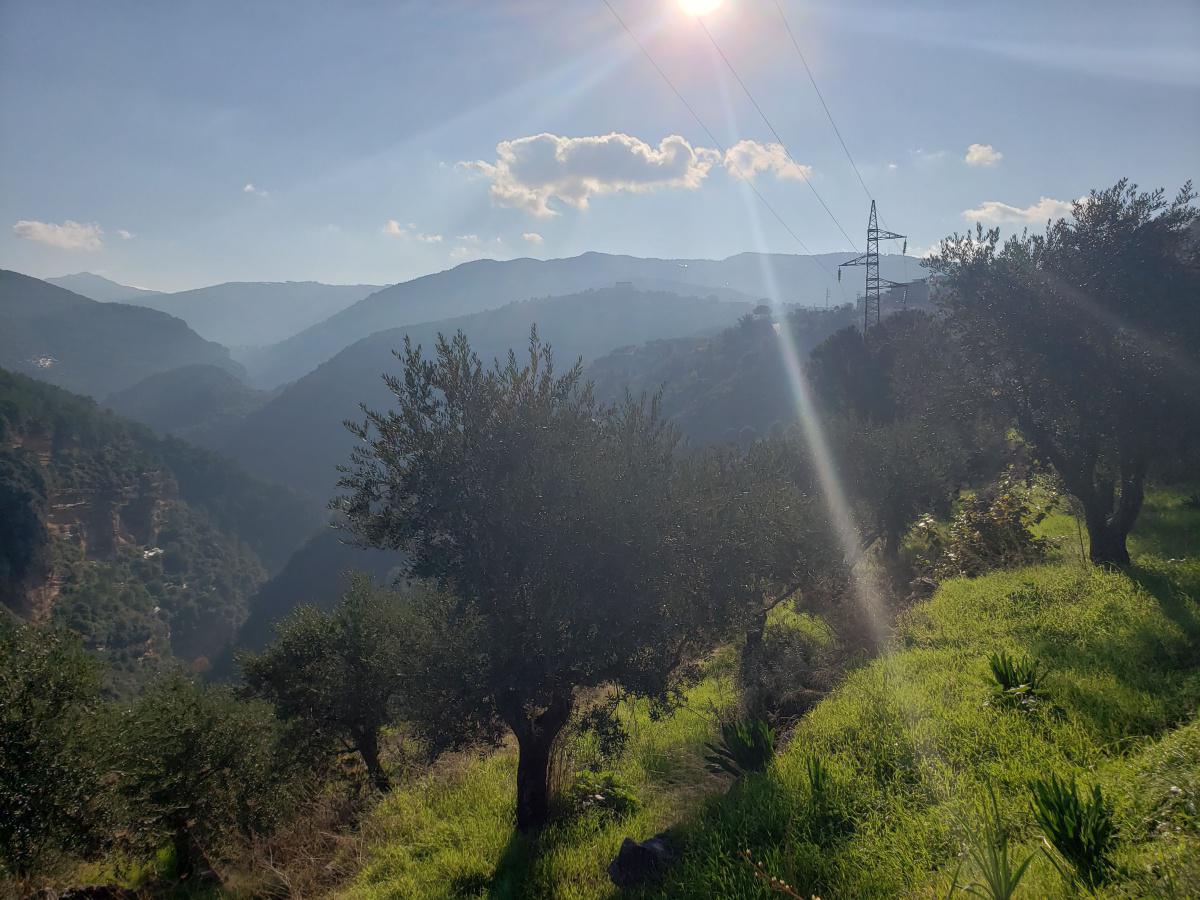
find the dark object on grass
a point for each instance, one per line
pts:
(638, 863)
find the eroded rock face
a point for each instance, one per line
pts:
(639, 863)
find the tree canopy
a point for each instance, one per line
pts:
(582, 548)
(1087, 337)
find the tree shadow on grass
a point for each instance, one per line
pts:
(1177, 602)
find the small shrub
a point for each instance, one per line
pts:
(1019, 680)
(745, 746)
(1081, 829)
(989, 531)
(606, 726)
(606, 792)
(988, 848)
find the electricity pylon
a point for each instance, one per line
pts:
(870, 259)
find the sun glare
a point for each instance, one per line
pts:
(699, 7)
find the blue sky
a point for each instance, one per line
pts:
(170, 145)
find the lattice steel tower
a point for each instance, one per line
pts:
(870, 259)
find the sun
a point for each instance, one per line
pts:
(699, 7)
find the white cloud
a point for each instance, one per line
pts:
(892, 167)
(995, 212)
(70, 235)
(536, 173)
(982, 155)
(256, 191)
(125, 235)
(922, 155)
(530, 172)
(409, 232)
(532, 237)
(745, 159)
(468, 238)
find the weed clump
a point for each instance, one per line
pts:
(1081, 829)
(744, 747)
(1019, 681)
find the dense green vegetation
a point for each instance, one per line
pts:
(146, 547)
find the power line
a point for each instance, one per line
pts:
(712, 137)
(829, 115)
(773, 131)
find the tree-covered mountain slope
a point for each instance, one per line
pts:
(187, 400)
(92, 348)
(147, 547)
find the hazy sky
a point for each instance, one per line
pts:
(175, 144)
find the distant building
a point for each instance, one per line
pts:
(624, 285)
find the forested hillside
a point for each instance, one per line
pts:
(189, 400)
(148, 548)
(89, 347)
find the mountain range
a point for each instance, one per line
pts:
(89, 347)
(235, 313)
(486, 284)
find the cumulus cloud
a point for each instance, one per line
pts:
(70, 235)
(746, 159)
(532, 237)
(530, 172)
(982, 155)
(256, 191)
(535, 173)
(125, 235)
(409, 232)
(995, 212)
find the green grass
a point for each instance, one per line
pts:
(912, 742)
(450, 833)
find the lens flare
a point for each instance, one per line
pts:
(699, 7)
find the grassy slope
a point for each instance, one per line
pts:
(912, 742)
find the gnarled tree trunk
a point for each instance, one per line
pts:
(535, 741)
(367, 745)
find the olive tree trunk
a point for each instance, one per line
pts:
(535, 742)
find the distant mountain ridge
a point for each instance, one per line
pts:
(487, 284)
(234, 313)
(93, 348)
(298, 438)
(97, 287)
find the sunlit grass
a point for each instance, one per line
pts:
(451, 833)
(912, 741)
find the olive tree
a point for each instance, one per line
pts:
(582, 549)
(1087, 335)
(340, 677)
